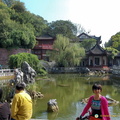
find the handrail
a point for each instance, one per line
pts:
(6, 72)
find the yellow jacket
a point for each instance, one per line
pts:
(21, 108)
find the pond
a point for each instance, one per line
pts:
(69, 89)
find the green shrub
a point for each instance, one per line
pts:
(16, 60)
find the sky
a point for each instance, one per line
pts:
(100, 17)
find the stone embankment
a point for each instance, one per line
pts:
(116, 70)
(68, 70)
(115, 76)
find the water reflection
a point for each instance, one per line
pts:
(69, 89)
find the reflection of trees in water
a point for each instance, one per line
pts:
(69, 89)
(115, 81)
(109, 86)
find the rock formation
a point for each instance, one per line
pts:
(52, 106)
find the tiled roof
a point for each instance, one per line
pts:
(86, 36)
(44, 37)
(97, 50)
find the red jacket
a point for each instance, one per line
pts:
(104, 108)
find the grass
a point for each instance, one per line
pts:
(6, 77)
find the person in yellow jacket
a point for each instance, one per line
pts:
(21, 108)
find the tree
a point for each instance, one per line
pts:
(12, 33)
(114, 41)
(34, 22)
(19, 6)
(6, 26)
(9, 3)
(66, 28)
(112, 52)
(39, 24)
(80, 29)
(65, 53)
(23, 37)
(88, 43)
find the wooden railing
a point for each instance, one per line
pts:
(44, 46)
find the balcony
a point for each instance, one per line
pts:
(44, 46)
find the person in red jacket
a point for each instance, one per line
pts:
(98, 105)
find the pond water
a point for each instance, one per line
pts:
(69, 89)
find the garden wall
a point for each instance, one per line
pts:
(5, 53)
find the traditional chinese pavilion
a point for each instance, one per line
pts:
(44, 44)
(83, 36)
(96, 58)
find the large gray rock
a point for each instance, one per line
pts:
(18, 76)
(29, 73)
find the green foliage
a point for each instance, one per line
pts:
(88, 43)
(39, 24)
(112, 52)
(12, 33)
(40, 68)
(42, 71)
(23, 37)
(18, 27)
(114, 41)
(18, 6)
(66, 28)
(9, 3)
(6, 26)
(66, 54)
(16, 60)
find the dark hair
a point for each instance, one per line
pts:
(97, 86)
(1, 93)
(20, 86)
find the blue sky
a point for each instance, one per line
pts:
(101, 17)
(50, 10)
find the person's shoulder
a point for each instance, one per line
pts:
(17, 95)
(4, 105)
(103, 98)
(91, 97)
(28, 95)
